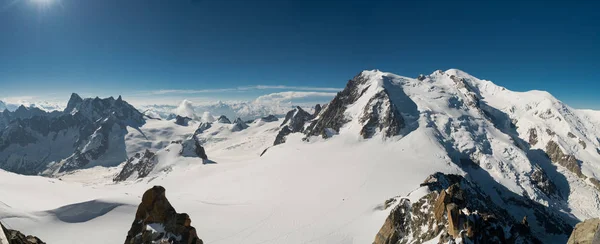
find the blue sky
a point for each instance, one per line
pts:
(112, 47)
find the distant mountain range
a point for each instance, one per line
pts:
(524, 158)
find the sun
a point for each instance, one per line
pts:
(44, 5)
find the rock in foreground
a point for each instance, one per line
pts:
(8, 236)
(586, 232)
(156, 221)
(457, 211)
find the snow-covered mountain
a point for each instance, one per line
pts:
(390, 159)
(244, 110)
(87, 133)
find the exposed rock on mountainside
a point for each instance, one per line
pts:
(456, 208)
(333, 116)
(318, 109)
(586, 232)
(156, 221)
(270, 118)
(379, 113)
(294, 122)
(183, 121)
(202, 127)
(138, 166)
(89, 132)
(559, 157)
(8, 236)
(239, 125)
(223, 119)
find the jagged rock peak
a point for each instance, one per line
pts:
(138, 166)
(270, 118)
(223, 119)
(317, 110)
(379, 113)
(181, 120)
(156, 221)
(239, 125)
(8, 236)
(202, 127)
(456, 208)
(294, 122)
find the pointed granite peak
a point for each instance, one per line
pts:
(74, 101)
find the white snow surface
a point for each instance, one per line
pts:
(321, 190)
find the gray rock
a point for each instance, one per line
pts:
(542, 181)
(533, 137)
(294, 122)
(223, 119)
(202, 127)
(138, 166)
(9, 236)
(183, 121)
(381, 114)
(318, 109)
(239, 125)
(270, 118)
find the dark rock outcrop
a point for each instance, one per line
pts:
(559, 157)
(202, 127)
(542, 181)
(156, 221)
(586, 232)
(223, 119)
(192, 148)
(318, 109)
(140, 165)
(239, 125)
(183, 121)
(332, 116)
(533, 136)
(294, 122)
(74, 101)
(270, 118)
(457, 208)
(381, 114)
(16, 237)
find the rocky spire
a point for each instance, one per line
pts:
(74, 101)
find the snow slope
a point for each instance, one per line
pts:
(332, 190)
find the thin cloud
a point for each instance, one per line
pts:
(288, 96)
(242, 88)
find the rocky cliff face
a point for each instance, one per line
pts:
(586, 232)
(183, 121)
(138, 166)
(8, 236)
(270, 118)
(239, 125)
(457, 209)
(89, 132)
(156, 221)
(294, 122)
(376, 111)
